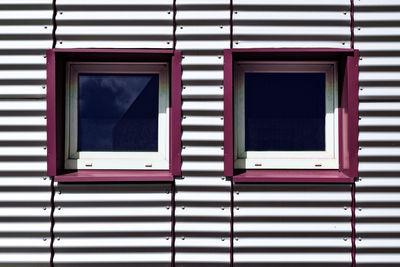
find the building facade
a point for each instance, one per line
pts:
(202, 217)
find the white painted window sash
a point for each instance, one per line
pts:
(75, 159)
(327, 159)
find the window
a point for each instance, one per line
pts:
(286, 115)
(117, 116)
(291, 115)
(113, 115)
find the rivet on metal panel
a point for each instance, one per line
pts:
(361, 58)
(43, 87)
(345, 13)
(359, 239)
(167, 42)
(221, 27)
(359, 28)
(45, 117)
(44, 148)
(237, 208)
(181, 27)
(44, 238)
(183, 56)
(222, 118)
(44, 56)
(58, 238)
(219, 57)
(343, 43)
(359, 179)
(361, 89)
(237, 192)
(184, 117)
(183, 147)
(237, 42)
(169, 12)
(360, 209)
(45, 27)
(223, 178)
(167, 192)
(44, 208)
(183, 238)
(236, 238)
(345, 208)
(222, 148)
(345, 238)
(167, 207)
(61, 13)
(359, 118)
(221, 87)
(183, 207)
(45, 178)
(360, 148)
(222, 238)
(167, 238)
(59, 208)
(222, 208)
(61, 42)
(236, 12)
(59, 192)
(184, 87)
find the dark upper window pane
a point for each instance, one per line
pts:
(118, 112)
(285, 111)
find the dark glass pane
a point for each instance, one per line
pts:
(285, 111)
(118, 112)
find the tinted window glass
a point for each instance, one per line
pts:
(285, 111)
(118, 112)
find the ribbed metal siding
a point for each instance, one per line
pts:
(377, 32)
(203, 194)
(291, 23)
(291, 225)
(114, 24)
(112, 224)
(25, 30)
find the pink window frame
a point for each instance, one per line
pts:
(348, 115)
(56, 63)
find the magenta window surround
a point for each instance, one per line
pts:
(347, 60)
(56, 69)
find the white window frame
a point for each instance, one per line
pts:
(75, 159)
(327, 159)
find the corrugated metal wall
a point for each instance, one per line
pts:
(122, 224)
(203, 194)
(25, 31)
(113, 224)
(377, 32)
(308, 225)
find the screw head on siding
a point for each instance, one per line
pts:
(360, 209)
(167, 238)
(167, 207)
(169, 12)
(236, 238)
(43, 87)
(45, 178)
(222, 208)
(58, 238)
(168, 42)
(221, 27)
(219, 57)
(59, 208)
(183, 207)
(61, 12)
(345, 238)
(44, 238)
(237, 208)
(345, 13)
(183, 238)
(222, 239)
(237, 192)
(44, 208)
(343, 43)
(59, 192)
(223, 178)
(359, 239)
(221, 87)
(345, 208)
(237, 42)
(236, 12)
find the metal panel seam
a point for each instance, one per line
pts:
(173, 223)
(52, 223)
(232, 217)
(352, 23)
(353, 223)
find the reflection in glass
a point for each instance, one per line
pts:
(118, 112)
(285, 111)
